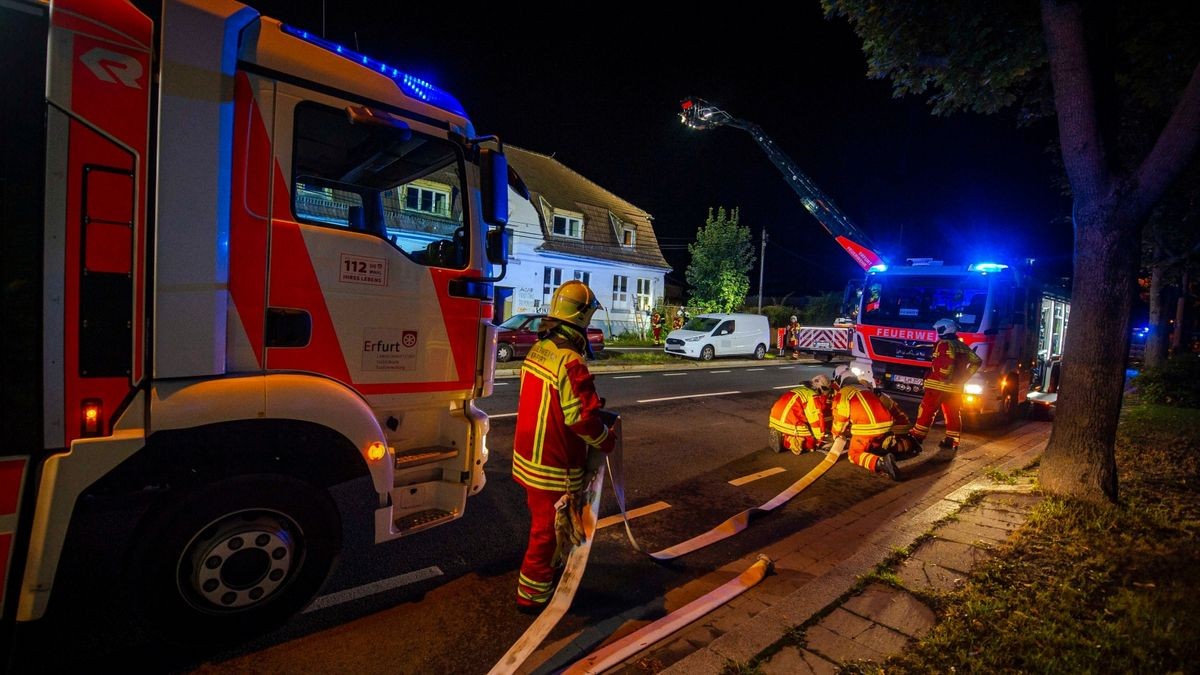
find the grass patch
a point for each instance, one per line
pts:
(637, 359)
(1002, 477)
(1088, 588)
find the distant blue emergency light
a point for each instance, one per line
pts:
(987, 267)
(413, 86)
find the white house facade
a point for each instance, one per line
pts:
(571, 228)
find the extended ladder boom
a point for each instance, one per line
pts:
(699, 114)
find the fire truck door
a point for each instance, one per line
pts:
(369, 229)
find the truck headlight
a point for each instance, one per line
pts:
(972, 388)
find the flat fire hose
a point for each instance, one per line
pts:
(729, 527)
(572, 574)
(613, 654)
(568, 583)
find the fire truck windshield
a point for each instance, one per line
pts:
(918, 301)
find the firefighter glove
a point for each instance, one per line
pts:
(610, 441)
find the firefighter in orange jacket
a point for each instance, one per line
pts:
(953, 364)
(558, 421)
(857, 412)
(798, 419)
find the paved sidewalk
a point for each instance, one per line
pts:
(816, 568)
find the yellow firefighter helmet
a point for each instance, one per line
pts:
(574, 303)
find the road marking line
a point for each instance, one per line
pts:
(635, 513)
(333, 599)
(714, 372)
(784, 367)
(755, 476)
(676, 398)
(753, 370)
(673, 374)
(497, 415)
(786, 386)
(625, 377)
(501, 384)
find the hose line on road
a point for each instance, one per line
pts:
(572, 574)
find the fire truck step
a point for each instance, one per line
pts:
(428, 455)
(423, 519)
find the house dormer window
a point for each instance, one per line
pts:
(628, 237)
(568, 225)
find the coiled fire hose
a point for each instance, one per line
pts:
(577, 560)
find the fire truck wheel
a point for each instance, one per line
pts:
(233, 559)
(760, 352)
(504, 352)
(824, 357)
(1009, 408)
(707, 353)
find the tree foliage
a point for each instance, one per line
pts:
(1123, 82)
(722, 257)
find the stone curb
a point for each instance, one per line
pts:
(748, 640)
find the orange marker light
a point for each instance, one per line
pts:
(91, 423)
(376, 451)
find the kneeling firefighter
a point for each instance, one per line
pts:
(558, 420)
(797, 419)
(857, 412)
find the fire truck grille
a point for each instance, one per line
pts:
(909, 350)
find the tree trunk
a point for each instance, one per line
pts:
(1156, 325)
(1079, 459)
(1180, 307)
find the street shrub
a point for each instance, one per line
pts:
(1175, 383)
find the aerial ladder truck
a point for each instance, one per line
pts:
(1013, 322)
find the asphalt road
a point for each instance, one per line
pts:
(442, 601)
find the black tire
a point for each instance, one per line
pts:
(1009, 408)
(824, 357)
(707, 353)
(760, 352)
(504, 352)
(232, 559)
(775, 440)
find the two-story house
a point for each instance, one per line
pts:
(571, 228)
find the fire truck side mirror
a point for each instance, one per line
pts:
(493, 178)
(497, 245)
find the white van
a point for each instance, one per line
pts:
(709, 335)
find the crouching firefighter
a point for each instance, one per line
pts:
(797, 419)
(558, 420)
(859, 413)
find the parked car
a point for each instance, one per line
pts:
(709, 335)
(519, 332)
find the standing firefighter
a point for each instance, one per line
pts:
(656, 327)
(860, 414)
(677, 322)
(558, 421)
(792, 337)
(953, 364)
(798, 419)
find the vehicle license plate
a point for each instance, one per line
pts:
(906, 379)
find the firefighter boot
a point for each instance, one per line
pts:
(948, 443)
(887, 464)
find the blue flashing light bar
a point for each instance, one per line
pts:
(413, 86)
(987, 267)
(877, 268)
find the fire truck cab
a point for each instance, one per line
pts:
(242, 265)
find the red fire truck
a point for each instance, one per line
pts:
(1015, 323)
(241, 265)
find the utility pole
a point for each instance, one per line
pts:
(762, 264)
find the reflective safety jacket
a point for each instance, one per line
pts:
(953, 364)
(799, 412)
(557, 415)
(901, 424)
(858, 408)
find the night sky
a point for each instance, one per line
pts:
(600, 91)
